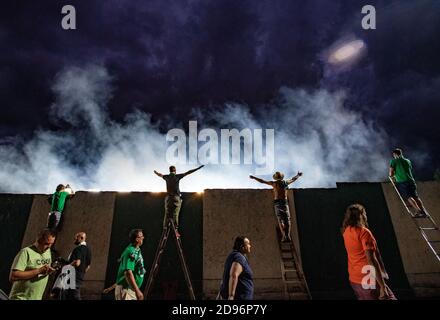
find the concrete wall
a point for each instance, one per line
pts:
(14, 212)
(209, 225)
(88, 212)
(421, 266)
(145, 210)
(230, 213)
(320, 213)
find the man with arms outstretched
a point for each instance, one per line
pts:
(173, 200)
(280, 201)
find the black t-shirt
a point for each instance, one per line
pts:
(173, 183)
(83, 254)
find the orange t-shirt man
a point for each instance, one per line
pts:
(357, 240)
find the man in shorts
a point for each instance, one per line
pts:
(281, 205)
(401, 172)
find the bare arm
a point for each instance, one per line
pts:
(299, 174)
(236, 270)
(17, 275)
(130, 279)
(193, 170)
(372, 260)
(391, 173)
(76, 263)
(261, 180)
(158, 173)
(381, 264)
(107, 290)
(72, 193)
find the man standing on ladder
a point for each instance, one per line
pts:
(280, 201)
(173, 200)
(401, 173)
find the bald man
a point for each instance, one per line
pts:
(80, 259)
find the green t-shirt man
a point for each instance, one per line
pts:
(402, 169)
(58, 201)
(131, 259)
(28, 259)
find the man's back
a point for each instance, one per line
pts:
(279, 189)
(82, 253)
(402, 169)
(172, 181)
(58, 201)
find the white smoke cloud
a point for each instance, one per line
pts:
(314, 133)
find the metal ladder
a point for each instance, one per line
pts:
(424, 224)
(159, 252)
(295, 284)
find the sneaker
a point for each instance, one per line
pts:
(286, 240)
(420, 215)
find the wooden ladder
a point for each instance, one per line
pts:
(426, 225)
(160, 250)
(295, 284)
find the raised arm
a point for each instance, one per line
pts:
(71, 193)
(193, 170)
(261, 180)
(158, 174)
(299, 174)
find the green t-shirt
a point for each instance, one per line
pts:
(58, 201)
(28, 259)
(402, 169)
(131, 259)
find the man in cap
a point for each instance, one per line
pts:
(280, 201)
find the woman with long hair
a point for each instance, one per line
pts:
(365, 266)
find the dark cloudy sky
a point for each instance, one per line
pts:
(168, 57)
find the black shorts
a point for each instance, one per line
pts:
(282, 211)
(407, 189)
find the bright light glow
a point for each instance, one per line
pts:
(93, 190)
(346, 52)
(68, 190)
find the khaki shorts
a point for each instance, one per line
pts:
(124, 294)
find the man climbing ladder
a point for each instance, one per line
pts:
(402, 179)
(280, 201)
(401, 173)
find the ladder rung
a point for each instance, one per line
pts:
(299, 296)
(423, 228)
(434, 241)
(290, 269)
